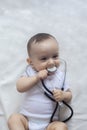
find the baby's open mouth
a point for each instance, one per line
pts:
(51, 70)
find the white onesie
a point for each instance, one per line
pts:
(37, 107)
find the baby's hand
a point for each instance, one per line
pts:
(58, 95)
(42, 74)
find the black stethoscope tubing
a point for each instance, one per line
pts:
(56, 107)
(51, 98)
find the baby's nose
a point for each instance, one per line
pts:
(51, 62)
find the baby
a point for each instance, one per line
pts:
(43, 65)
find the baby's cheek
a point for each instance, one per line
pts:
(57, 63)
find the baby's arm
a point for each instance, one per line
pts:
(25, 83)
(60, 95)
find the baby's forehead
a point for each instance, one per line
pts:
(44, 49)
(39, 40)
(46, 45)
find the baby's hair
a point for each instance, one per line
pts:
(37, 39)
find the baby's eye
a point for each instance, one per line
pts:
(55, 56)
(43, 59)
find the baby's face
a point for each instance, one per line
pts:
(45, 54)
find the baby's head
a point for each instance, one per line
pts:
(43, 51)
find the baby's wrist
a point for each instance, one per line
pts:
(37, 77)
(65, 96)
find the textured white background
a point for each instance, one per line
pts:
(67, 21)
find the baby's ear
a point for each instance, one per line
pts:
(29, 61)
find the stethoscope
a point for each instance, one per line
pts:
(49, 94)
